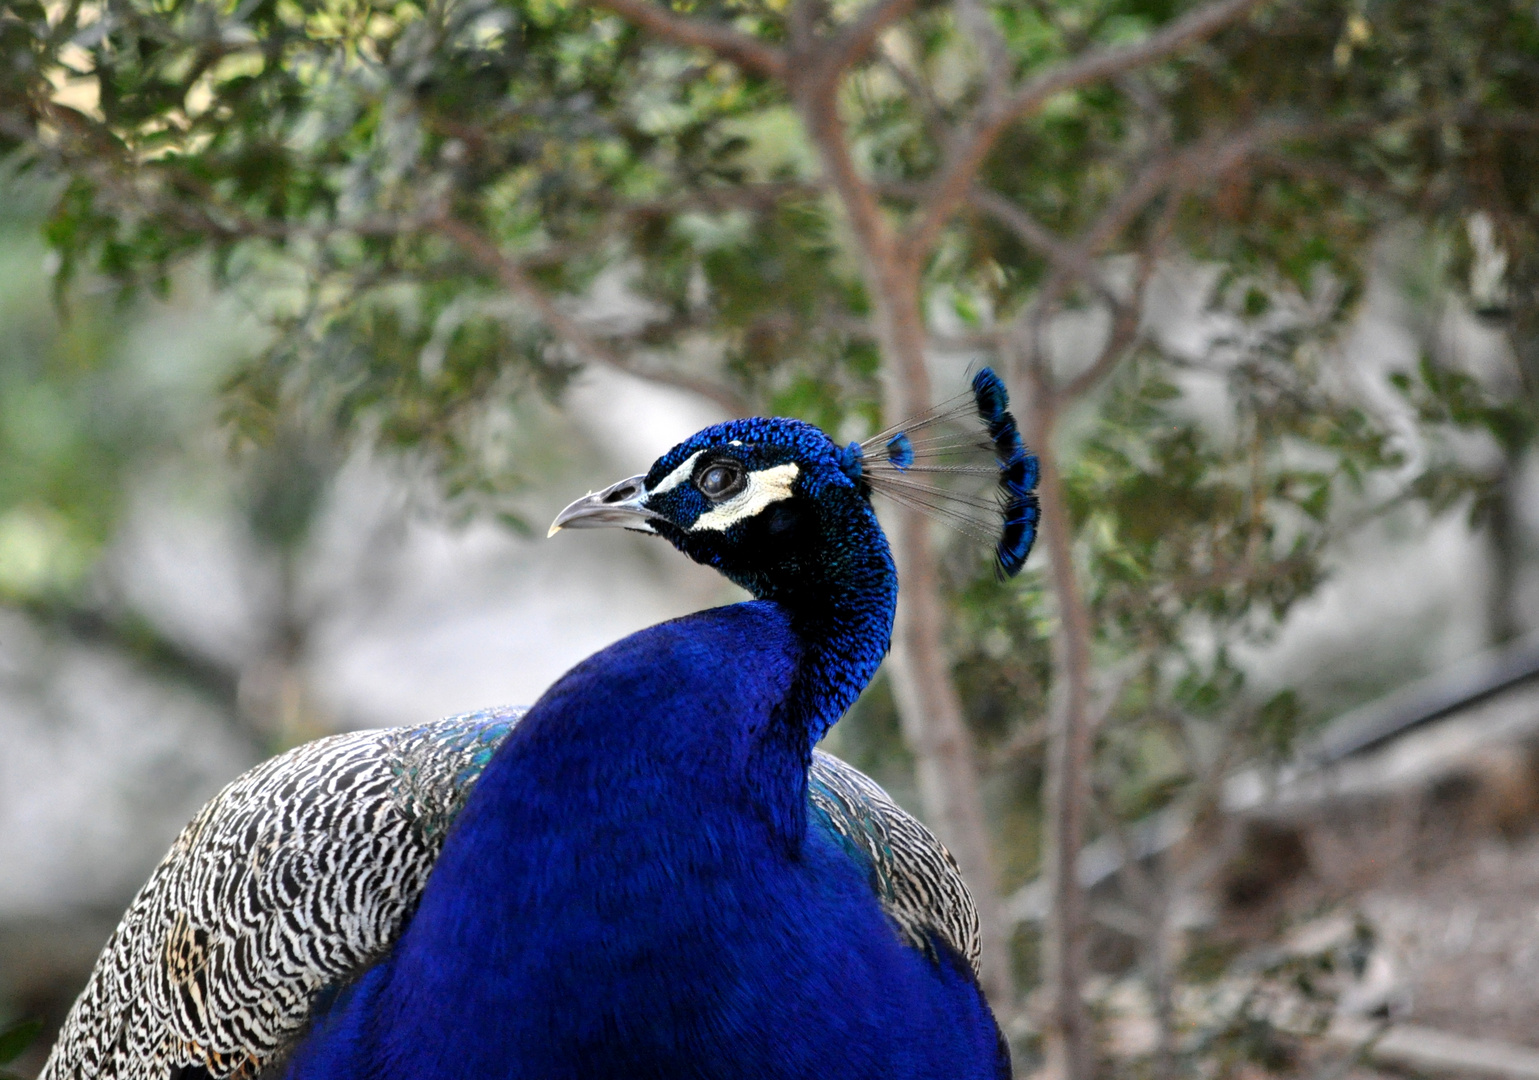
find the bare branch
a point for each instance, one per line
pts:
(1104, 63)
(751, 196)
(1074, 262)
(515, 278)
(999, 65)
(935, 121)
(1044, 11)
(801, 25)
(820, 114)
(986, 341)
(1212, 157)
(139, 640)
(745, 51)
(1067, 258)
(1024, 741)
(948, 190)
(1127, 323)
(1330, 172)
(1066, 794)
(854, 41)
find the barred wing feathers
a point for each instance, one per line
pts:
(911, 872)
(292, 879)
(303, 871)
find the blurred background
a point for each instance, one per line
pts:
(313, 315)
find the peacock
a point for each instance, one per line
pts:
(650, 873)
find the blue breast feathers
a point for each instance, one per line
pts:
(619, 899)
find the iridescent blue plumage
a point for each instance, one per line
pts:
(642, 884)
(645, 913)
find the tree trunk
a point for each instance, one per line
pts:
(1505, 543)
(944, 762)
(1067, 790)
(929, 708)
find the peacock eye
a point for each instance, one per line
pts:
(720, 480)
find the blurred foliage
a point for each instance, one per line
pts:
(314, 149)
(74, 417)
(1203, 527)
(14, 1040)
(1282, 996)
(109, 406)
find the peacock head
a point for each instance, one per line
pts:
(782, 510)
(768, 502)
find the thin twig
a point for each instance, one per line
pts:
(935, 119)
(998, 64)
(515, 278)
(949, 188)
(1027, 739)
(1127, 322)
(1066, 257)
(854, 40)
(747, 52)
(751, 196)
(1182, 170)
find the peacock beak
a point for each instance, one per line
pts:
(621, 505)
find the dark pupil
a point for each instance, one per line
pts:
(716, 479)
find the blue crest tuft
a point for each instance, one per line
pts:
(993, 400)
(1017, 473)
(1008, 522)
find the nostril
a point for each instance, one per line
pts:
(620, 494)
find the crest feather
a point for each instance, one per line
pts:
(911, 471)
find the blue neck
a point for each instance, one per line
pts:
(842, 613)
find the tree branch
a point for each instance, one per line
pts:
(750, 196)
(745, 51)
(1065, 257)
(1105, 62)
(846, 48)
(935, 122)
(135, 637)
(820, 114)
(1127, 322)
(998, 64)
(1066, 797)
(515, 278)
(965, 155)
(1184, 170)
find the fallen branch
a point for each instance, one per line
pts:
(1424, 1049)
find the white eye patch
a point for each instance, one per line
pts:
(677, 476)
(764, 487)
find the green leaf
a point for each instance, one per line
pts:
(15, 1039)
